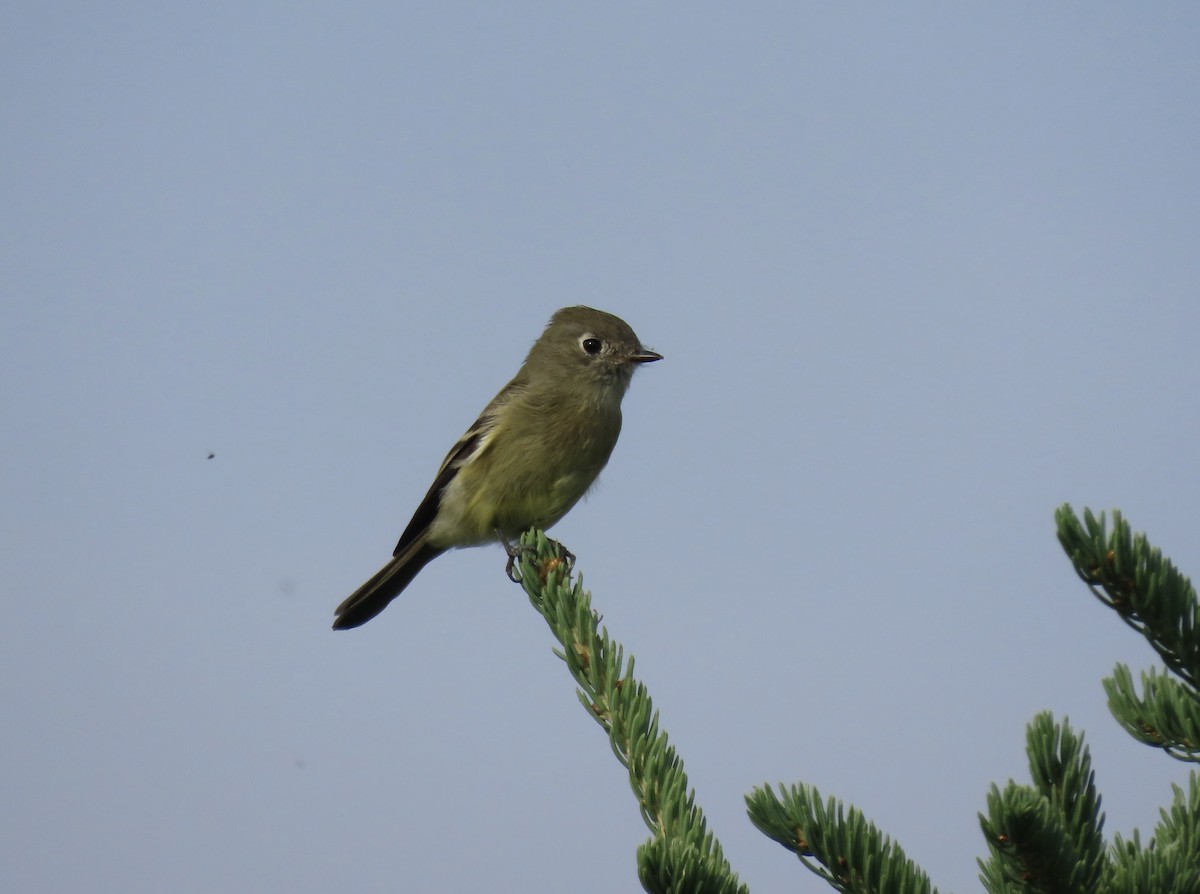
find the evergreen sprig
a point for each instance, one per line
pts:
(682, 857)
(1046, 837)
(1043, 837)
(1170, 864)
(1164, 716)
(1133, 578)
(845, 848)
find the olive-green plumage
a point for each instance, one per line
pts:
(533, 453)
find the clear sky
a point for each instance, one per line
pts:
(921, 273)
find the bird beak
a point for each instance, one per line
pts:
(644, 356)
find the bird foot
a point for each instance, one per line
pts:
(516, 550)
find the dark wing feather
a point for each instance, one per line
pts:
(428, 509)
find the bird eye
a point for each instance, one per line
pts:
(591, 344)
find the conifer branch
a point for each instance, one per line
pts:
(1165, 715)
(1132, 578)
(1169, 864)
(1043, 837)
(1046, 837)
(682, 857)
(845, 848)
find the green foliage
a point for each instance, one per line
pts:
(1165, 716)
(847, 850)
(1043, 838)
(1132, 578)
(683, 857)
(1046, 837)
(1171, 862)
(672, 864)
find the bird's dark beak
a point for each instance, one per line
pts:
(644, 356)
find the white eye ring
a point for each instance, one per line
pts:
(590, 344)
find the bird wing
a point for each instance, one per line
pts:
(468, 445)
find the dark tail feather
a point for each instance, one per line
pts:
(387, 583)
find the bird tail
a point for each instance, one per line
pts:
(386, 584)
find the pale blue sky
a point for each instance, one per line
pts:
(920, 273)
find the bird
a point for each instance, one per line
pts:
(532, 454)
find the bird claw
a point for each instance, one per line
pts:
(516, 550)
(510, 568)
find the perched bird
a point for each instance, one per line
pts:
(530, 456)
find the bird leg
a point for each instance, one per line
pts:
(516, 550)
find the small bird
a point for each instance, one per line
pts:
(536, 449)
